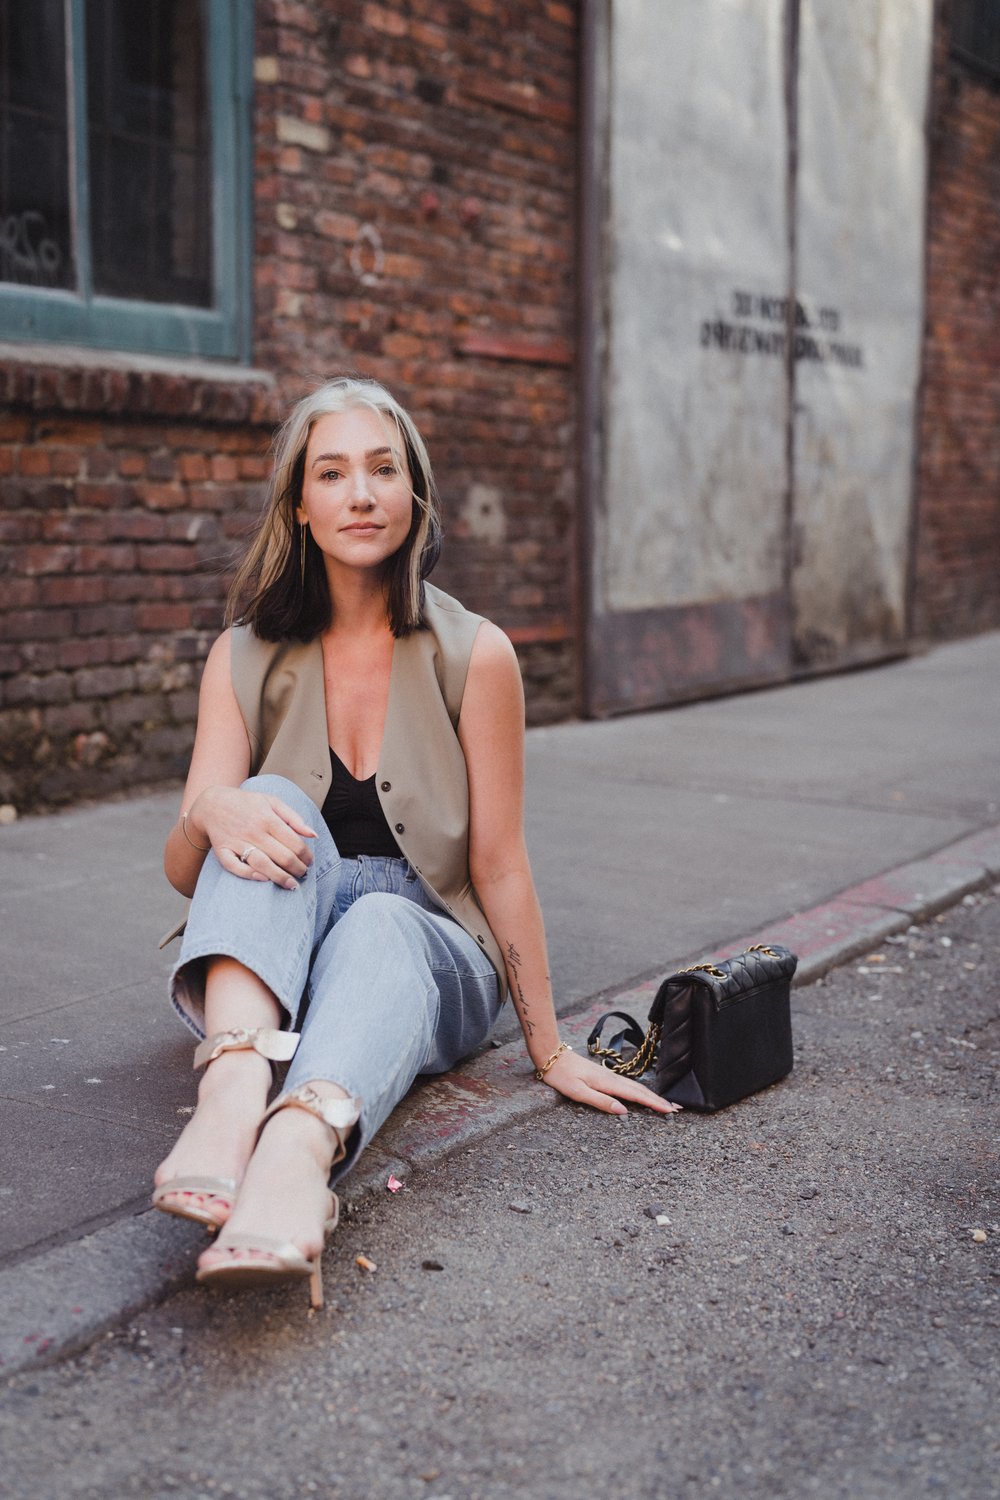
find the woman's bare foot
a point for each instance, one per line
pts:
(284, 1196)
(219, 1138)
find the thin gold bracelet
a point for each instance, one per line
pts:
(184, 830)
(541, 1072)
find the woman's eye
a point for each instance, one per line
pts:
(330, 474)
(386, 471)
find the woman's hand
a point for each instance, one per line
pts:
(588, 1082)
(254, 836)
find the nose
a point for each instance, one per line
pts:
(361, 493)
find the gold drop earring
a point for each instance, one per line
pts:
(302, 554)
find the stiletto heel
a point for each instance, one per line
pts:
(276, 1046)
(285, 1261)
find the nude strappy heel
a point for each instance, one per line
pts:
(285, 1261)
(276, 1046)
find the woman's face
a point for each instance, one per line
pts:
(357, 494)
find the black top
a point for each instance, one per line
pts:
(354, 815)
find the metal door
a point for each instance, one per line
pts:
(752, 341)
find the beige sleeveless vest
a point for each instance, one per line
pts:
(421, 777)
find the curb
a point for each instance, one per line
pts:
(62, 1300)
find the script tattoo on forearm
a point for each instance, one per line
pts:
(514, 960)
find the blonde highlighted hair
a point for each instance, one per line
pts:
(272, 591)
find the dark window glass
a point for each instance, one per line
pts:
(36, 246)
(975, 34)
(149, 150)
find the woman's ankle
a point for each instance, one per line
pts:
(295, 1131)
(243, 1070)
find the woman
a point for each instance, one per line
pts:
(351, 831)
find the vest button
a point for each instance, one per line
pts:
(387, 786)
(400, 828)
(480, 938)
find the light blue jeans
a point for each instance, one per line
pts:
(382, 984)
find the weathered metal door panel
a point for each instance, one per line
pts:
(757, 190)
(862, 85)
(687, 587)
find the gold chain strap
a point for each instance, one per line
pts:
(717, 973)
(637, 1065)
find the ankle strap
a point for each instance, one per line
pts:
(276, 1046)
(339, 1114)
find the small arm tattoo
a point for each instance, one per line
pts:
(514, 960)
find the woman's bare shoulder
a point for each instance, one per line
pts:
(493, 689)
(217, 674)
(492, 651)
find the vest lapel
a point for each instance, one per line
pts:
(293, 711)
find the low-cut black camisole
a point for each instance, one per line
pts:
(354, 815)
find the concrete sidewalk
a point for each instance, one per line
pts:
(825, 814)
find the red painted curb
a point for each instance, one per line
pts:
(851, 921)
(496, 1088)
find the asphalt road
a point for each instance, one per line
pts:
(820, 1315)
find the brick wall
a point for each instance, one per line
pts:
(414, 221)
(416, 174)
(122, 494)
(957, 575)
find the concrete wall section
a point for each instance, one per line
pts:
(863, 74)
(695, 461)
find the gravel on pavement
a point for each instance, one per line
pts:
(797, 1296)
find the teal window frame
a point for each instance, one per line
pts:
(133, 326)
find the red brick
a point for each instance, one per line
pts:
(164, 617)
(74, 590)
(110, 558)
(162, 496)
(164, 558)
(43, 559)
(193, 466)
(69, 718)
(104, 619)
(224, 468)
(53, 687)
(34, 461)
(37, 625)
(18, 593)
(14, 428)
(104, 682)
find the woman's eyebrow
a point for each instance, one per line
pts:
(343, 458)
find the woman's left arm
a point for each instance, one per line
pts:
(491, 731)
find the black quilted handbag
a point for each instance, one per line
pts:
(716, 1032)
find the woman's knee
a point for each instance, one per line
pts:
(289, 791)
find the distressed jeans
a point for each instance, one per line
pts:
(382, 984)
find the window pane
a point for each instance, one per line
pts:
(35, 227)
(150, 156)
(976, 32)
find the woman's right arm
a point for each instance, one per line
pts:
(215, 812)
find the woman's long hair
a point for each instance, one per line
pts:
(271, 591)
